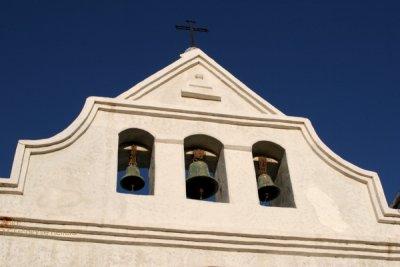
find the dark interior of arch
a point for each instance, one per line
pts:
(269, 150)
(138, 137)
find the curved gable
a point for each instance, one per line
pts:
(195, 81)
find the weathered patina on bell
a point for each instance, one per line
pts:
(267, 190)
(132, 180)
(199, 183)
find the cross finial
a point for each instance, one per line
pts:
(192, 29)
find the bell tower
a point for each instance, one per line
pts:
(194, 169)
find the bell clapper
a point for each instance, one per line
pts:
(201, 193)
(266, 197)
(133, 187)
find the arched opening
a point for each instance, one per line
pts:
(205, 169)
(273, 179)
(135, 162)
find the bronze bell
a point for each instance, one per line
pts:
(267, 190)
(199, 183)
(132, 180)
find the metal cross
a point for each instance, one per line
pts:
(192, 30)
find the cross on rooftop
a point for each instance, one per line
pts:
(192, 29)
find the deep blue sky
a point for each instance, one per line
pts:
(334, 62)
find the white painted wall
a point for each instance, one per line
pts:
(62, 199)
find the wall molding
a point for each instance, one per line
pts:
(163, 237)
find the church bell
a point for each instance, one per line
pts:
(267, 190)
(132, 180)
(199, 183)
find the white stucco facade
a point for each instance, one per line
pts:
(60, 206)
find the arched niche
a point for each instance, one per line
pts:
(277, 169)
(144, 158)
(215, 162)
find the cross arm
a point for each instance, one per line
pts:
(200, 30)
(178, 27)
